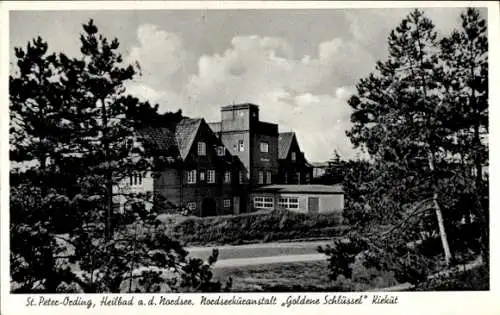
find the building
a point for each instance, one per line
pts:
(300, 198)
(319, 169)
(253, 141)
(215, 168)
(193, 170)
(293, 166)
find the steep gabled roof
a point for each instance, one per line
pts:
(161, 140)
(284, 142)
(185, 133)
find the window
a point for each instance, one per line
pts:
(211, 176)
(268, 178)
(263, 202)
(221, 151)
(294, 156)
(286, 178)
(242, 177)
(241, 145)
(261, 178)
(191, 177)
(227, 203)
(191, 205)
(202, 176)
(289, 202)
(135, 179)
(202, 148)
(298, 177)
(227, 177)
(264, 147)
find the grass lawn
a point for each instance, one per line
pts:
(303, 276)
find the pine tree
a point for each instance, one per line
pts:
(36, 103)
(73, 117)
(465, 80)
(395, 116)
(106, 145)
(465, 53)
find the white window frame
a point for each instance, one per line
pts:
(211, 176)
(294, 156)
(264, 147)
(202, 148)
(269, 177)
(227, 203)
(191, 177)
(260, 179)
(227, 177)
(221, 151)
(263, 202)
(289, 203)
(241, 145)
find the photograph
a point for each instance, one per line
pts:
(334, 150)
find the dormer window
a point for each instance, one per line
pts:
(294, 156)
(202, 148)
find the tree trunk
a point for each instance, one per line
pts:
(108, 231)
(439, 216)
(109, 208)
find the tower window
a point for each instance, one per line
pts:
(264, 147)
(268, 178)
(211, 176)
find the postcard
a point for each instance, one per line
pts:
(286, 157)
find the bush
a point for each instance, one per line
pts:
(254, 227)
(476, 279)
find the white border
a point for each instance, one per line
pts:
(409, 303)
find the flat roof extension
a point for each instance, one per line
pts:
(305, 189)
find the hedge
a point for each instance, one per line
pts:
(252, 227)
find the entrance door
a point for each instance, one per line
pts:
(208, 207)
(313, 204)
(236, 205)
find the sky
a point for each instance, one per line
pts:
(299, 66)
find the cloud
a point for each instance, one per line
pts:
(306, 94)
(165, 64)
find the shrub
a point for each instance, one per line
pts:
(477, 279)
(254, 227)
